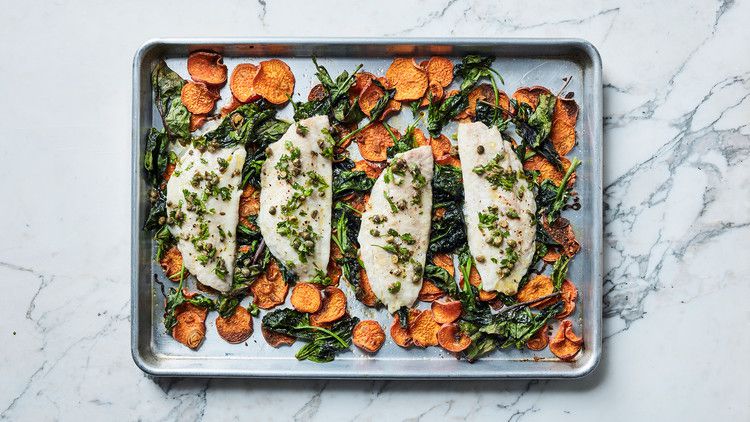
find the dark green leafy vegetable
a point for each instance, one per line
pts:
(403, 317)
(473, 68)
(164, 240)
(157, 213)
(448, 233)
(167, 87)
(347, 181)
(560, 271)
(491, 116)
(156, 156)
(323, 344)
(406, 141)
(440, 278)
(335, 104)
(440, 114)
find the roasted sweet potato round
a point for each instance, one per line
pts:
(540, 340)
(197, 121)
(537, 287)
(434, 93)
(424, 329)
(365, 293)
(191, 325)
(452, 339)
(333, 308)
(439, 70)
(171, 263)
(317, 93)
(564, 118)
(241, 82)
(237, 328)
(565, 345)
(274, 81)
(569, 296)
(399, 334)
(198, 98)
(548, 170)
(446, 312)
(306, 298)
(207, 67)
(372, 170)
(373, 142)
(269, 290)
(409, 79)
(429, 292)
(368, 335)
(562, 232)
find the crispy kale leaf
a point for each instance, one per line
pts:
(167, 86)
(347, 181)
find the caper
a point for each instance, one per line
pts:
(269, 151)
(314, 214)
(272, 210)
(480, 259)
(394, 259)
(480, 150)
(374, 233)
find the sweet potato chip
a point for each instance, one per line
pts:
(370, 96)
(171, 263)
(249, 203)
(446, 312)
(368, 336)
(241, 82)
(539, 340)
(306, 298)
(191, 325)
(274, 81)
(197, 98)
(373, 142)
(569, 296)
(548, 170)
(476, 280)
(334, 307)
(420, 139)
(357, 201)
(484, 92)
(424, 329)
(207, 67)
(441, 146)
(269, 290)
(168, 171)
(538, 286)
(434, 93)
(361, 81)
(444, 261)
(439, 70)
(333, 270)
(372, 170)
(565, 345)
(237, 328)
(530, 95)
(317, 93)
(552, 255)
(562, 232)
(563, 134)
(408, 78)
(197, 121)
(399, 334)
(452, 339)
(228, 108)
(275, 339)
(365, 293)
(429, 292)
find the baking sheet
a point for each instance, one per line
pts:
(521, 62)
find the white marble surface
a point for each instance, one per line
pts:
(677, 99)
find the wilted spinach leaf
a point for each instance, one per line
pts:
(167, 86)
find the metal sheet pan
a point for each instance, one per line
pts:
(522, 62)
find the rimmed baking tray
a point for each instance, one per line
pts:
(522, 62)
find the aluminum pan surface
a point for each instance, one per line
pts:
(522, 62)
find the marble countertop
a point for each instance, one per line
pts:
(677, 196)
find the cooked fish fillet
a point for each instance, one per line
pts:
(397, 217)
(203, 197)
(499, 207)
(295, 198)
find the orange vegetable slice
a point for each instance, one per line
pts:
(530, 95)
(429, 292)
(434, 93)
(230, 107)
(207, 67)
(399, 334)
(317, 93)
(452, 339)
(198, 98)
(548, 170)
(333, 308)
(191, 325)
(197, 121)
(564, 118)
(373, 142)
(441, 146)
(539, 340)
(446, 312)
(171, 263)
(420, 139)
(237, 328)
(249, 203)
(275, 339)
(444, 261)
(424, 329)
(274, 81)
(409, 79)
(569, 296)
(372, 170)
(361, 81)
(552, 255)
(538, 286)
(333, 270)
(439, 70)
(566, 344)
(241, 82)
(306, 298)
(269, 290)
(368, 335)
(476, 280)
(365, 293)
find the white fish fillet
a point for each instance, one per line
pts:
(414, 220)
(217, 225)
(313, 214)
(480, 196)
